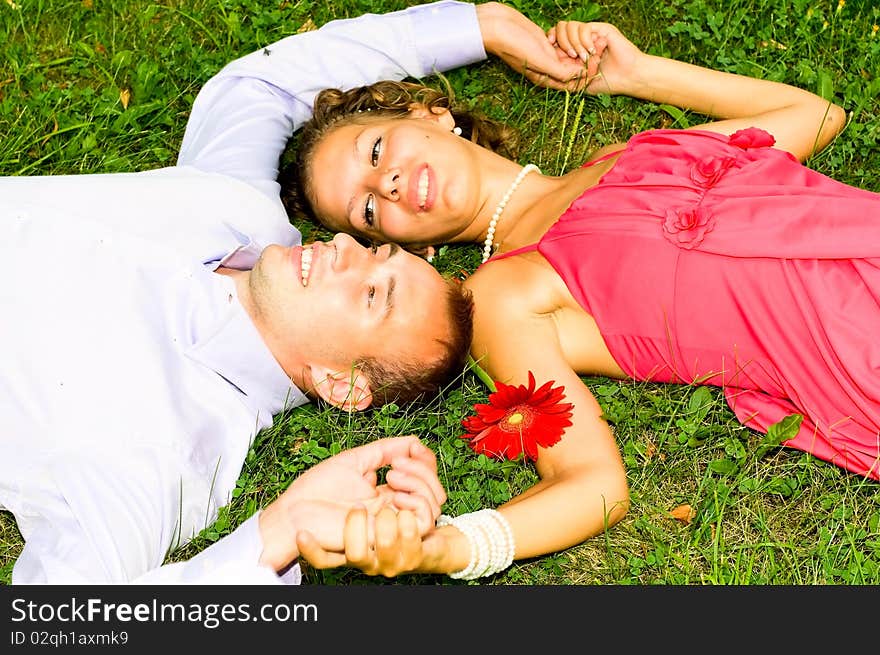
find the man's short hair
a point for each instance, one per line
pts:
(403, 381)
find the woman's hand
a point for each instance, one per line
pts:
(319, 499)
(390, 546)
(803, 123)
(612, 61)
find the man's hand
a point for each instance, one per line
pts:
(524, 47)
(320, 499)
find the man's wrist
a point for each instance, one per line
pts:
(446, 35)
(278, 534)
(488, 15)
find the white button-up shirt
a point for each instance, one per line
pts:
(132, 381)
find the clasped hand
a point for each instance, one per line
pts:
(611, 60)
(312, 514)
(571, 55)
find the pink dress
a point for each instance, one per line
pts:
(719, 260)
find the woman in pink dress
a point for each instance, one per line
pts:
(709, 255)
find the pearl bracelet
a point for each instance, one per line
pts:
(490, 539)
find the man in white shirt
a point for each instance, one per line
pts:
(144, 349)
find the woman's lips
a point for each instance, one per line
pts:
(422, 188)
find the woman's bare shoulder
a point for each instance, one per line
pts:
(522, 285)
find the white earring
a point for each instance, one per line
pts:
(456, 130)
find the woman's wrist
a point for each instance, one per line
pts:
(642, 84)
(446, 550)
(490, 545)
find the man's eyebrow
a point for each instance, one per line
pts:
(354, 146)
(389, 297)
(393, 249)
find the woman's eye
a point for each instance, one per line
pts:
(374, 249)
(374, 152)
(370, 210)
(370, 295)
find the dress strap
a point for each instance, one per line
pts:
(607, 155)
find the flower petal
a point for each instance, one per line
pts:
(542, 421)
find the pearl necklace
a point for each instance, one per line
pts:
(490, 233)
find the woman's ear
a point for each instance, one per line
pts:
(426, 252)
(440, 115)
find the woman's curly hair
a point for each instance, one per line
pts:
(387, 99)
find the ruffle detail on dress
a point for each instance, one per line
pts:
(687, 227)
(752, 137)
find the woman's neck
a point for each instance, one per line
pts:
(537, 204)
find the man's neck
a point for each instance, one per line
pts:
(231, 272)
(241, 278)
(242, 289)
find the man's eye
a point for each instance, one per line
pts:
(370, 210)
(374, 249)
(374, 152)
(370, 296)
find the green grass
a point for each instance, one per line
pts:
(763, 515)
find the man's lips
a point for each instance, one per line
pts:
(306, 258)
(296, 260)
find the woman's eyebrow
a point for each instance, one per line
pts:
(356, 154)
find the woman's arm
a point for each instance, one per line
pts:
(802, 122)
(583, 487)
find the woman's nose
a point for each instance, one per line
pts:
(388, 184)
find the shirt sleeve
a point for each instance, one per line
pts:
(231, 560)
(243, 116)
(101, 520)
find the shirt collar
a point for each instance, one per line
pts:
(244, 256)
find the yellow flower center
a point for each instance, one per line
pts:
(515, 419)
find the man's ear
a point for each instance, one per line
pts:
(348, 390)
(439, 115)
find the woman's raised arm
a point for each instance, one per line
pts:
(803, 123)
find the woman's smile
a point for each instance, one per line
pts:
(422, 190)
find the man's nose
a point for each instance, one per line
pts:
(348, 251)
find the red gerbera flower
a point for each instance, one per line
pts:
(518, 419)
